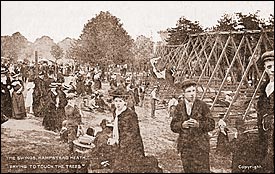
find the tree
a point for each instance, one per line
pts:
(226, 23)
(103, 39)
(57, 52)
(11, 46)
(269, 24)
(184, 27)
(250, 21)
(142, 50)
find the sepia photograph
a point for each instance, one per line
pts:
(137, 87)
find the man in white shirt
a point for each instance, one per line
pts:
(192, 120)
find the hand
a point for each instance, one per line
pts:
(18, 92)
(193, 123)
(235, 134)
(111, 141)
(185, 125)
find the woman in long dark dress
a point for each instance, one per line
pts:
(126, 136)
(18, 101)
(50, 117)
(6, 102)
(60, 110)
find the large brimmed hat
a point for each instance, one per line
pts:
(66, 87)
(83, 144)
(71, 95)
(269, 55)
(109, 124)
(120, 92)
(53, 85)
(15, 74)
(16, 85)
(41, 73)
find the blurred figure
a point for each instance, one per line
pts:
(173, 102)
(6, 102)
(18, 101)
(154, 99)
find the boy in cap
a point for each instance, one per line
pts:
(193, 120)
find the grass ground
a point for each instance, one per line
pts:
(26, 147)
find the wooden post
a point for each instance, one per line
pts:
(36, 63)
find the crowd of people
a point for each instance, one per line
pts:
(54, 99)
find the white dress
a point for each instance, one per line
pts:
(29, 97)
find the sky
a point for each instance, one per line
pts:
(61, 19)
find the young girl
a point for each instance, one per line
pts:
(126, 135)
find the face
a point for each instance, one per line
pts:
(119, 103)
(53, 89)
(190, 93)
(269, 68)
(41, 76)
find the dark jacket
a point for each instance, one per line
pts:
(18, 101)
(193, 137)
(6, 101)
(130, 147)
(265, 115)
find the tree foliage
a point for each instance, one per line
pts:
(250, 21)
(240, 21)
(226, 23)
(11, 46)
(103, 39)
(143, 51)
(57, 52)
(184, 27)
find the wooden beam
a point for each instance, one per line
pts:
(253, 96)
(216, 67)
(243, 77)
(228, 71)
(208, 59)
(230, 32)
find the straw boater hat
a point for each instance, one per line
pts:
(15, 74)
(66, 87)
(16, 85)
(53, 85)
(41, 73)
(70, 96)
(4, 70)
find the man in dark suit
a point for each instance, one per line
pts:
(193, 120)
